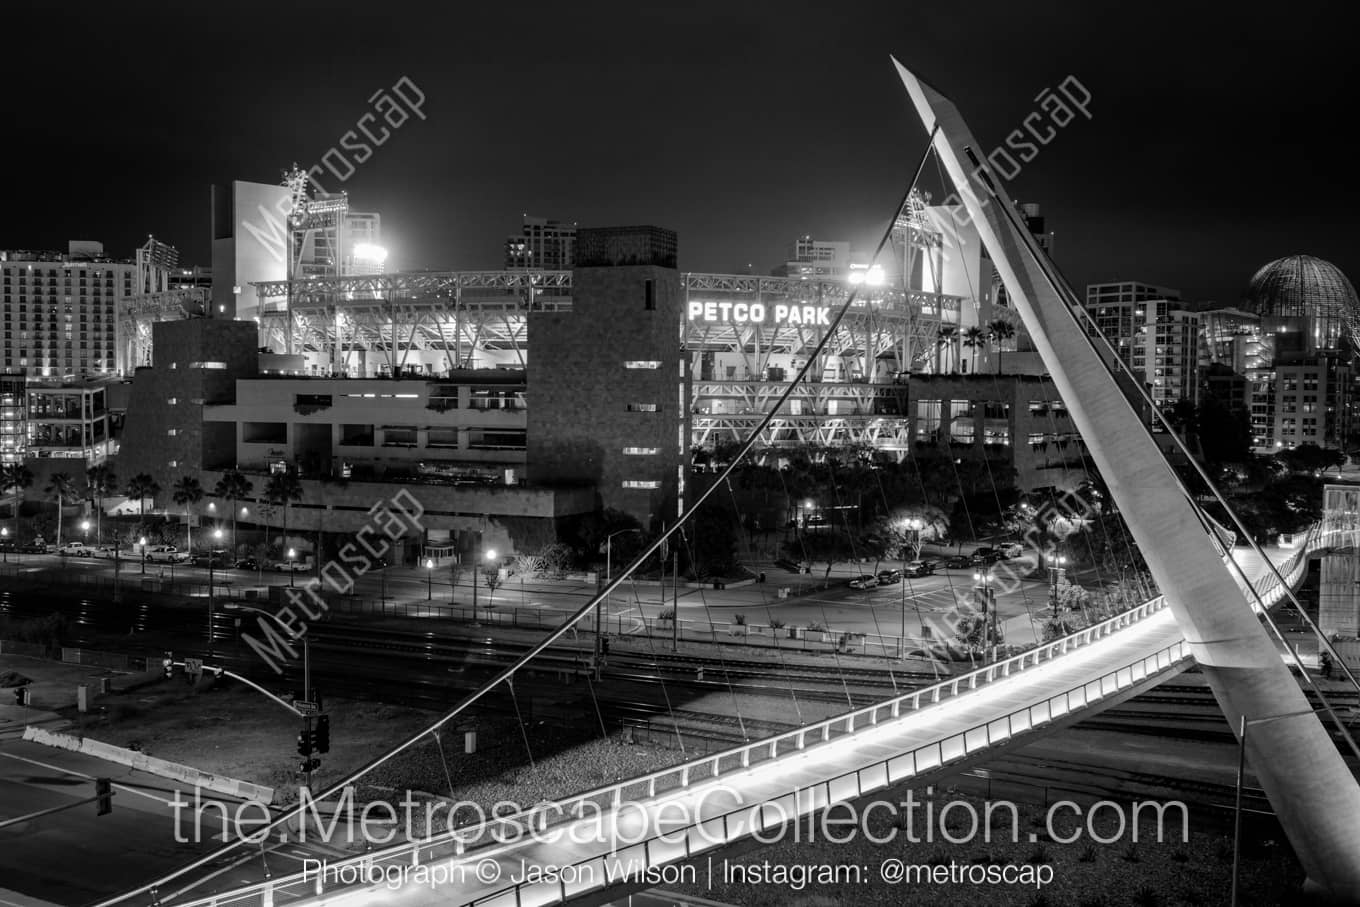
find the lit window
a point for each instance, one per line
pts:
(642, 407)
(641, 451)
(642, 363)
(212, 365)
(171, 400)
(639, 483)
(173, 431)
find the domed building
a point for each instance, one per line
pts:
(1289, 290)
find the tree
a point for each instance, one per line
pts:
(1000, 331)
(16, 477)
(945, 338)
(141, 487)
(100, 482)
(64, 488)
(233, 486)
(975, 339)
(283, 489)
(187, 492)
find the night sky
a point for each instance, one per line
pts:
(1215, 142)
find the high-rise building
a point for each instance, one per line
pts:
(811, 258)
(1301, 400)
(1154, 334)
(542, 243)
(60, 310)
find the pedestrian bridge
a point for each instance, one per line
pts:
(614, 835)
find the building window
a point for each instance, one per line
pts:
(641, 451)
(173, 431)
(641, 483)
(649, 295)
(171, 400)
(642, 407)
(642, 363)
(211, 365)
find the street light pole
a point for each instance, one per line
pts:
(1055, 566)
(306, 664)
(212, 559)
(292, 554)
(429, 579)
(608, 578)
(1242, 726)
(142, 540)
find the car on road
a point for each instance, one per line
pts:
(985, 556)
(919, 568)
(32, 548)
(888, 577)
(1011, 549)
(217, 558)
(297, 565)
(958, 562)
(247, 563)
(864, 581)
(165, 554)
(76, 549)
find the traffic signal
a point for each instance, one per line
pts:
(306, 743)
(168, 664)
(323, 734)
(21, 695)
(309, 765)
(103, 790)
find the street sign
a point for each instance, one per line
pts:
(305, 707)
(193, 666)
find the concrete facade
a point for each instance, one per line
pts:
(197, 362)
(618, 352)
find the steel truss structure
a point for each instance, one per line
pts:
(137, 313)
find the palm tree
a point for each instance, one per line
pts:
(99, 483)
(945, 338)
(64, 487)
(16, 477)
(975, 338)
(283, 489)
(188, 491)
(232, 487)
(141, 487)
(1001, 331)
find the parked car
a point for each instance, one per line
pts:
(32, 548)
(864, 581)
(985, 556)
(1011, 549)
(247, 563)
(297, 565)
(888, 577)
(217, 558)
(958, 562)
(165, 554)
(919, 568)
(76, 549)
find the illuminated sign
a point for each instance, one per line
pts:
(759, 313)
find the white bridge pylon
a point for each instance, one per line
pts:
(1309, 785)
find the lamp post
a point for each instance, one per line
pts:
(982, 592)
(608, 577)
(429, 579)
(292, 555)
(142, 542)
(1056, 563)
(914, 525)
(1242, 726)
(4, 544)
(488, 555)
(306, 661)
(212, 558)
(85, 528)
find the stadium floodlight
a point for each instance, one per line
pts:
(367, 251)
(873, 275)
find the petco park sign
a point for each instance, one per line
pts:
(759, 313)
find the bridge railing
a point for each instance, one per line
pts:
(703, 770)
